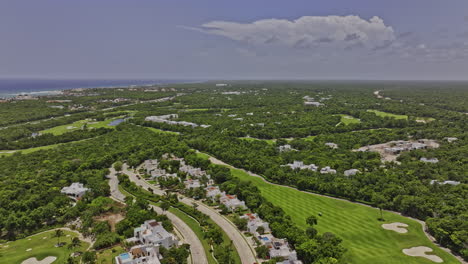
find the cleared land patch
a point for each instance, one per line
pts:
(347, 120)
(269, 141)
(385, 114)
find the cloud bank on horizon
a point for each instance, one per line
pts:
(307, 31)
(338, 34)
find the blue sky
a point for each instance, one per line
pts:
(255, 39)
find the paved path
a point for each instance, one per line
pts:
(423, 224)
(243, 247)
(196, 248)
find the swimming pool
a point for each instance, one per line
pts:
(124, 256)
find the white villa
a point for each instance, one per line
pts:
(190, 184)
(285, 148)
(75, 191)
(300, 165)
(213, 191)
(426, 160)
(327, 170)
(192, 171)
(140, 254)
(451, 139)
(231, 202)
(445, 182)
(351, 172)
(279, 248)
(331, 145)
(254, 222)
(153, 233)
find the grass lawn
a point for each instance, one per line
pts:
(385, 114)
(346, 119)
(30, 150)
(162, 131)
(15, 252)
(107, 256)
(269, 141)
(357, 225)
(309, 138)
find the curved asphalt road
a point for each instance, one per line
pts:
(196, 249)
(243, 247)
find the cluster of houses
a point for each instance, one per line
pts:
(149, 237)
(166, 119)
(311, 101)
(402, 145)
(75, 191)
(152, 168)
(276, 247)
(324, 170)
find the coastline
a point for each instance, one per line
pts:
(41, 87)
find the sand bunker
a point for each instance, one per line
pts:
(397, 227)
(422, 252)
(34, 260)
(29, 249)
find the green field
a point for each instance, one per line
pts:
(15, 252)
(162, 131)
(362, 234)
(30, 150)
(385, 114)
(269, 141)
(346, 119)
(357, 225)
(310, 138)
(58, 130)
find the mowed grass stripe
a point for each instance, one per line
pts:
(357, 225)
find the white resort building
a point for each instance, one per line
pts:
(300, 165)
(351, 172)
(426, 160)
(75, 191)
(327, 170)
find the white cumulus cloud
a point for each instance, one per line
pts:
(307, 31)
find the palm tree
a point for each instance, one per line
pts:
(58, 233)
(75, 242)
